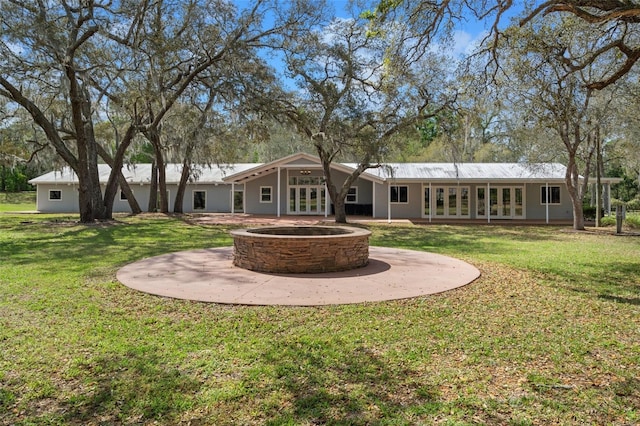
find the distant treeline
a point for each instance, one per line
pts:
(15, 178)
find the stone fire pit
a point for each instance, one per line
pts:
(301, 249)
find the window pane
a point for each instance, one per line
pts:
(426, 202)
(518, 202)
(265, 194)
(554, 195)
(292, 199)
(493, 201)
(352, 195)
(303, 200)
(439, 201)
(394, 194)
(506, 201)
(199, 200)
(404, 194)
(313, 199)
(453, 201)
(238, 201)
(481, 211)
(55, 195)
(464, 201)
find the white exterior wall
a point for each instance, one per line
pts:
(68, 202)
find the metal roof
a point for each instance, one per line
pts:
(141, 173)
(469, 172)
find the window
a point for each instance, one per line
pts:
(199, 200)
(427, 205)
(55, 195)
(480, 206)
(399, 194)
(265, 194)
(554, 195)
(123, 196)
(352, 195)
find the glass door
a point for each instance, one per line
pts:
(306, 199)
(505, 202)
(449, 201)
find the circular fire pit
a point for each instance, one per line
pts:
(301, 249)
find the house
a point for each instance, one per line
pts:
(294, 185)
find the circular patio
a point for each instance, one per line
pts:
(208, 275)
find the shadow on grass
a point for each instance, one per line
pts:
(129, 388)
(77, 247)
(614, 281)
(459, 239)
(325, 385)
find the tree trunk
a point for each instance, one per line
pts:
(162, 184)
(153, 136)
(182, 186)
(339, 210)
(571, 180)
(89, 192)
(153, 189)
(116, 178)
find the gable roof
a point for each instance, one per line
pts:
(300, 159)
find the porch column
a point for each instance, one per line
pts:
(547, 202)
(487, 202)
(278, 194)
(389, 203)
(430, 206)
(233, 197)
(373, 201)
(327, 199)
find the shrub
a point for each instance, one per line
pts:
(589, 212)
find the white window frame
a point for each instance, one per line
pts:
(399, 198)
(270, 194)
(193, 200)
(353, 192)
(543, 198)
(55, 199)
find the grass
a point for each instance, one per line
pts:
(550, 334)
(17, 201)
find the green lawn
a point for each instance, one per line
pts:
(550, 334)
(17, 201)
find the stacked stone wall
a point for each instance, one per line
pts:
(293, 254)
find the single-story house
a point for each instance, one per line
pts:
(295, 185)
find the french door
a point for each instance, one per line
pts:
(446, 201)
(307, 199)
(502, 202)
